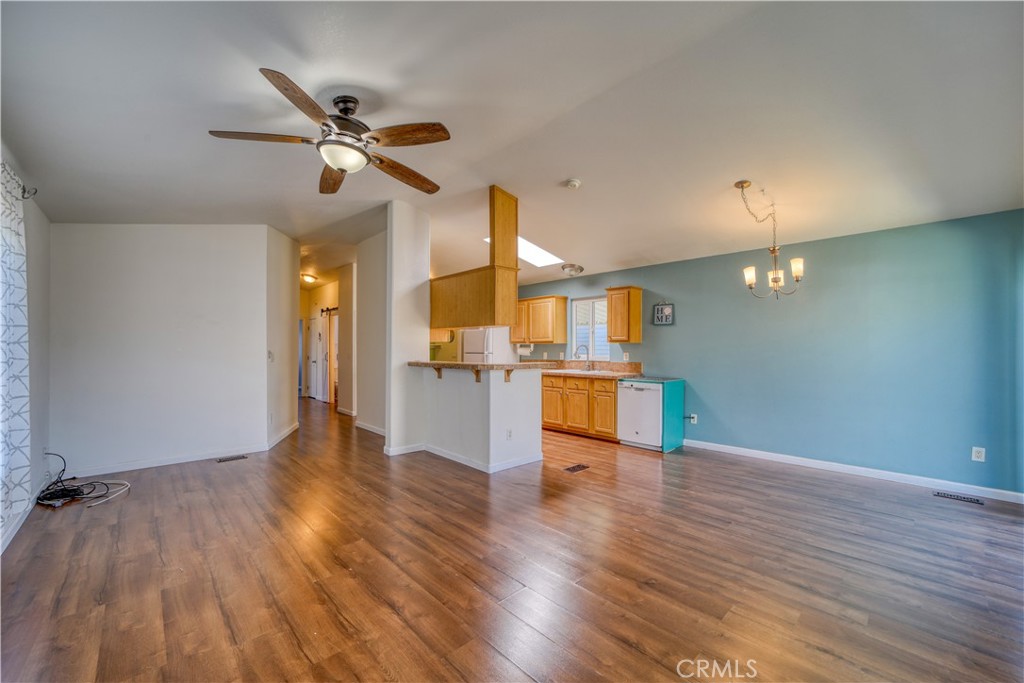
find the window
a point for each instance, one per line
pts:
(590, 327)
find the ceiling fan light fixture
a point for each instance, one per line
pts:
(343, 155)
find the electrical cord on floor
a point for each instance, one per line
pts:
(59, 492)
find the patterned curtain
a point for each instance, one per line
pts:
(16, 492)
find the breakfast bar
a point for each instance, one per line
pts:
(484, 415)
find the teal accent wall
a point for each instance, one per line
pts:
(901, 351)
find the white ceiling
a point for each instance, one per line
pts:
(854, 116)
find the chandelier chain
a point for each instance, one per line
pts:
(770, 214)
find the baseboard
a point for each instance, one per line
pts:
(913, 479)
(402, 450)
(489, 469)
(129, 465)
(12, 531)
(277, 438)
(370, 428)
(509, 464)
(350, 413)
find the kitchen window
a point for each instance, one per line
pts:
(590, 327)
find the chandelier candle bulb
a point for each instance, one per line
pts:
(750, 275)
(796, 265)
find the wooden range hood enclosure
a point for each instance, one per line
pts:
(486, 296)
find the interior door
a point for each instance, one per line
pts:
(332, 394)
(316, 344)
(325, 359)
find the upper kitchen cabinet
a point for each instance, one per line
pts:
(540, 320)
(625, 315)
(518, 333)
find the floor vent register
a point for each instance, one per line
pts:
(965, 499)
(577, 468)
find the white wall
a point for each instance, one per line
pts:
(371, 332)
(347, 339)
(282, 340)
(158, 343)
(37, 235)
(324, 296)
(408, 329)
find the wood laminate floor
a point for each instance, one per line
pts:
(325, 560)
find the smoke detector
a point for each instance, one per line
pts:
(573, 183)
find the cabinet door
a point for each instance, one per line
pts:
(618, 315)
(625, 323)
(577, 404)
(551, 407)
(541, 317)
(604, 420)
(520, 333)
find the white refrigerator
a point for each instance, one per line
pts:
(487, 345)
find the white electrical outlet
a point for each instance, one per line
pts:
(978, 454)
(625, 356)
(508, 435)
(561, 355)
(545, 356)
(693, 419)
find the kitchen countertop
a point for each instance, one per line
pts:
(600, 369)
(476, 368)
(452, 365)
(596, 374)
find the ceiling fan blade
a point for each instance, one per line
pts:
(298, 97)
(261, 137)
(408, 134)
(404, 173)
(330, 180)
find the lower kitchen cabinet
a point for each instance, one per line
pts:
(552, 412)
(579, 405)
(603, 399)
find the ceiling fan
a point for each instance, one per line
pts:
(347, 143)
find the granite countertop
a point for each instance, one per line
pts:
(599, 369)
(451, 365)
(598, 374)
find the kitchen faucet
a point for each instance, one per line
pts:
(576, 354)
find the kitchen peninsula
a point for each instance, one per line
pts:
(484, 415)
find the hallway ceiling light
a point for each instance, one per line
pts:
(306, 277)
(776, 279)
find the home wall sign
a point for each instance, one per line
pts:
(664, 313)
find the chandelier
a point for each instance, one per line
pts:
(776, 276)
